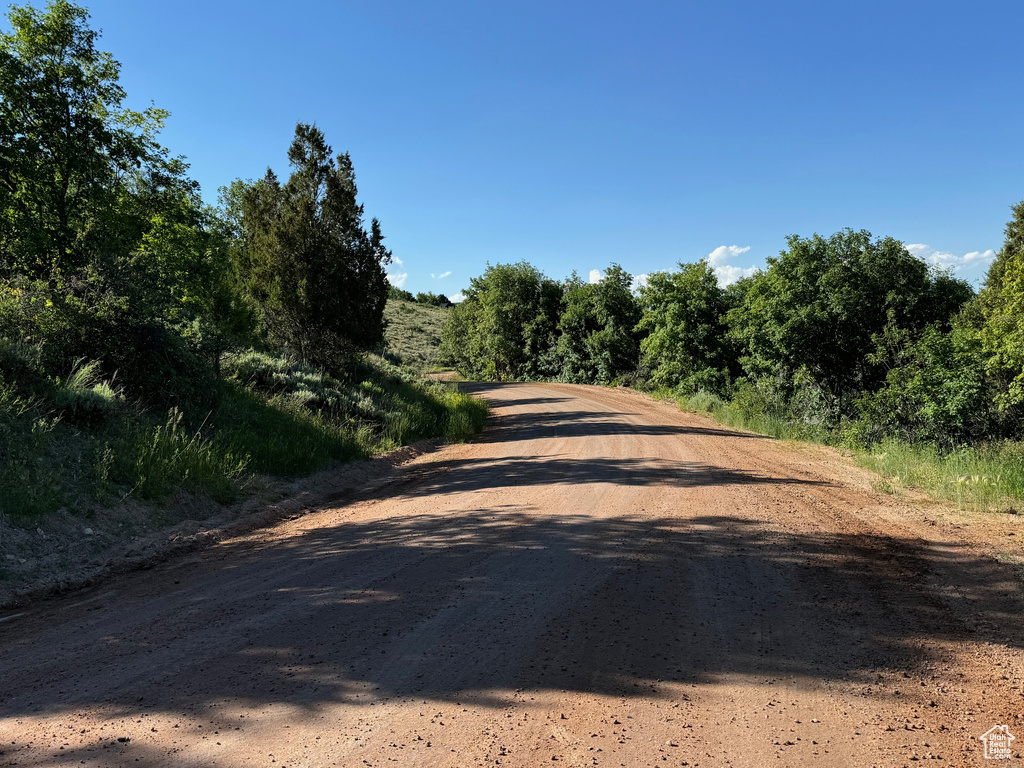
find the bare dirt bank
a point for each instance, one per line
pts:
(600, 580)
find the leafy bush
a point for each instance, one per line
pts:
(76, 322)
(434, 299)
(717, 382)
(21, 365)
(398, 294)
(937, 391)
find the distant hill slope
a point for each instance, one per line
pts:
(414, 332)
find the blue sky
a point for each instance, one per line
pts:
(575, 134)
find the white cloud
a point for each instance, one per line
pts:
(456, 298)
(639, 281)
(723, 253)
(595, 275)
(442, 276)
(395, 277)
(971, 262)
(980, 255)
(944, 260)
(728, 274)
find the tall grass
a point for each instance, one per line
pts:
(316, 417)
(30, 480)
(280, 437)
(465, 415)
(759, 420)
(988, 477)
(78, 441)
(83, 396)
(773, 425)
(156, 462)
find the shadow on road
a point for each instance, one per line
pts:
(468, 606)
(450, 476)
(533, 425)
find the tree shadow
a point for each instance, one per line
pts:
(476, 474)
(486, 392)
(532, 425)
(471, 604)
(468, 606)
(578, 423)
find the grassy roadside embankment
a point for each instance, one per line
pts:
(76, 443)
(987, 477)
(92, 480)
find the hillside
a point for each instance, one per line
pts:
(413, 332)
(89, 477)
(79, 444)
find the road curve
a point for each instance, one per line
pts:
(600, 580)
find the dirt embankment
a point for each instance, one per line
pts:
(600, 580)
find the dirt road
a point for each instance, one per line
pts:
(600, 580)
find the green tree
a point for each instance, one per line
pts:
(1001, 303)
(506, 328)
(462, 343)
(598, 339)
(307, 260)
(399, 294)
(818, 310)
(67, 147)
(935, 390)
(687, 346)
(433, 299)
(104, 248)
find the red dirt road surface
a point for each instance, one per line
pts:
(600, 580)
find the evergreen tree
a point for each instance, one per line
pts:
(306, 259)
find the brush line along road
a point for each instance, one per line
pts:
(600, 580)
